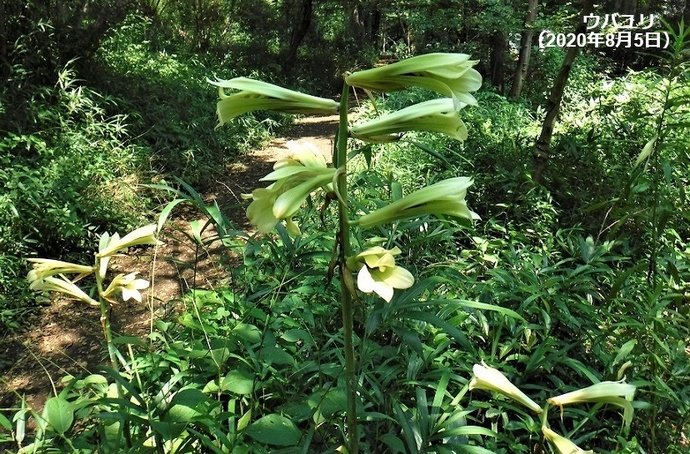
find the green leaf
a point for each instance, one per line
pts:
(275, 355)
(275, 430)
(238, 382)
(296, 335)
(247, 332)
(166, 212)
(5, 423)
(483, 306)
(189, 404)
(59, 414)
(428, 150)
(624, 351)
(646, 151)
(394, 443)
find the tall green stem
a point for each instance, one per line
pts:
(343, 238)
(112, 351)
(105, 321)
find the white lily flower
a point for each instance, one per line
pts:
(378, 272)
(62, 285)
(43, 268)
(437, 115)
(562, 444)
(115, 244)
(128, 285)
(490, 379)
(443, 198)
(258, 95)
(445, 73)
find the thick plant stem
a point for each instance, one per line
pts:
(343, 238)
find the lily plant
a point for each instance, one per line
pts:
(306, 174)
(616, 393)
(48, 275)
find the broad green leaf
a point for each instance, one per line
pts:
(238, 382)
(296, 335)
(59, 413)
(247, 332)
(274, 430)
(275, 355)
(189, 404)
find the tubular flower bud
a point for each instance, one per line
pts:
(62, 285)
(443, 198)
(562, 444)
(594, 393)
(43, 268)
(490, 379)
(612, 392)
(448, 74)
(114, 244)
(378, 272)
(258, 95)
(438, 115)
(294, 179)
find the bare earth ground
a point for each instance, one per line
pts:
(66, 337)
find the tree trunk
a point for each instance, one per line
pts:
(542, 147)
(525, 50)
(301, 22)
(498, 59)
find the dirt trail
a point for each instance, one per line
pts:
(66, 337)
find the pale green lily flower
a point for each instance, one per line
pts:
(294, 179)
(562, 444)
(62, 285)
(438, 115)
(114, 244)
(127, 285)
(258, 95)
(595, 393)
(490, 379)
(445, 73)
(446, 197)
(43, 268)
(612, 392)
(378, 272)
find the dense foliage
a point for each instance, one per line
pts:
(581, 277)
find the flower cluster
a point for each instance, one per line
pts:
(378, 273)
(616, 393)
(48, 275)
(448, 74)
(294, 180)
(445, 73)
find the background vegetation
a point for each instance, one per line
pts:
(101, 96)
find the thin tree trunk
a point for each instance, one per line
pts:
(542, 147)
(525, 50)
(498, 59)
(301, 22)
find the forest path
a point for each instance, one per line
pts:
(66, 337)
